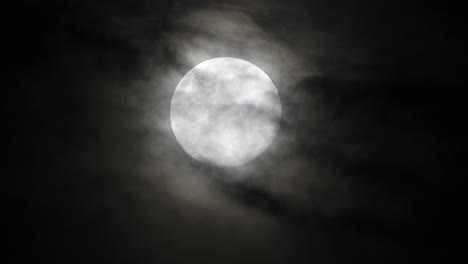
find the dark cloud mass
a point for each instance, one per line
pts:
(363, 168)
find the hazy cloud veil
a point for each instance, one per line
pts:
(354, 173)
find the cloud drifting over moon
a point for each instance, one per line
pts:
(354, 172)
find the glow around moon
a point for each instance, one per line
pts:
(225, 111)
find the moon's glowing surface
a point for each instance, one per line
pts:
(225, 111)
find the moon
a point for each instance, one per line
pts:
(225, 111)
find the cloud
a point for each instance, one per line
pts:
(350, 165)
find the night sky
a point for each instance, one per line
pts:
(364, 168)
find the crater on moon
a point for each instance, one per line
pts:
(225, 111)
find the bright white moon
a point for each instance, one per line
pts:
(225, 111)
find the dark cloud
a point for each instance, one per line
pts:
(362, 170)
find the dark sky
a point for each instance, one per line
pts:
(363, 170)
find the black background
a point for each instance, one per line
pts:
(404, 124)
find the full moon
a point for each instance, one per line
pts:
(225, 111)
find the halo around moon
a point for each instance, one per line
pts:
(225, 111)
